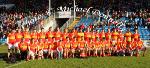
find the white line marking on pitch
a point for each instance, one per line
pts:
(15, 64)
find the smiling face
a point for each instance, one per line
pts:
(58, 30)
(50, 29)
(115, 30)
(108, 30)
(74, 30)
(19, 30)
(26, 29)
(136, 31)
(103, 31)
(88, 29)
(68, 39)
(32, 40)
(80, 30)
(13, 31)
(42, 30)
(66, 30)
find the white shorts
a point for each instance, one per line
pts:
(45, 51)
(40, 53)
(31, 53)
(11, 46)
(16, 44)
(28, 42)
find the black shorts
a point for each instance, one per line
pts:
(23, 55)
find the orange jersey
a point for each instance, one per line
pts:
(46, 46)
(74, 44)
(49, 35)
(57, 35)
(136, 36)
(133, 44)
(81, 44)
(40, 45)
(33, 47)
(60, 48)
(34, 36)
(100, 44)
(97, 44)
(104, 43)
(124, 43)
(19, 36)
(91, 44)
(93, 36)
(79, 35)
(140, 44)
(52, 46)
(114, 42)
(87, 36)
(67, 45)
(97, 35)
(121, 36)
(62, 44)
(107, 43)
(27, 36)
(119, 44)
(23, 46)
(64, 36)
(102, 35)
(128, 36)
(108, 36)
(72, 35)
(115, 35)
(42, 35)
(11, 38)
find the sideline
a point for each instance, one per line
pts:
(16, 64)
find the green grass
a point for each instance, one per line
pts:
(92, 62)
(3, 49)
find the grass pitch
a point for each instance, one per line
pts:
(91, 62)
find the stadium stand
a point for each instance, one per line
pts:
(137, 20)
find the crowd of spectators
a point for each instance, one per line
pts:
(9, 21)
(28, 13)
(131, 19)
(24, 14)
(139, 18)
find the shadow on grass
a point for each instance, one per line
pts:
(12, 60)
(3, 57)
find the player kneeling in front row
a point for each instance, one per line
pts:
(82, 47)
(32, 50)
(74, 45)
(67, 46)
(11, 43)
(45, 49)
(120, 49)
(89, 47)
(60, 50)
(51, 48)
(137, 47)
(140, 47)
(40, 49)
(23, 47)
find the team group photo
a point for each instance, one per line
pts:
(74, 33)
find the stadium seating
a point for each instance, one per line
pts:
(144, 32)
